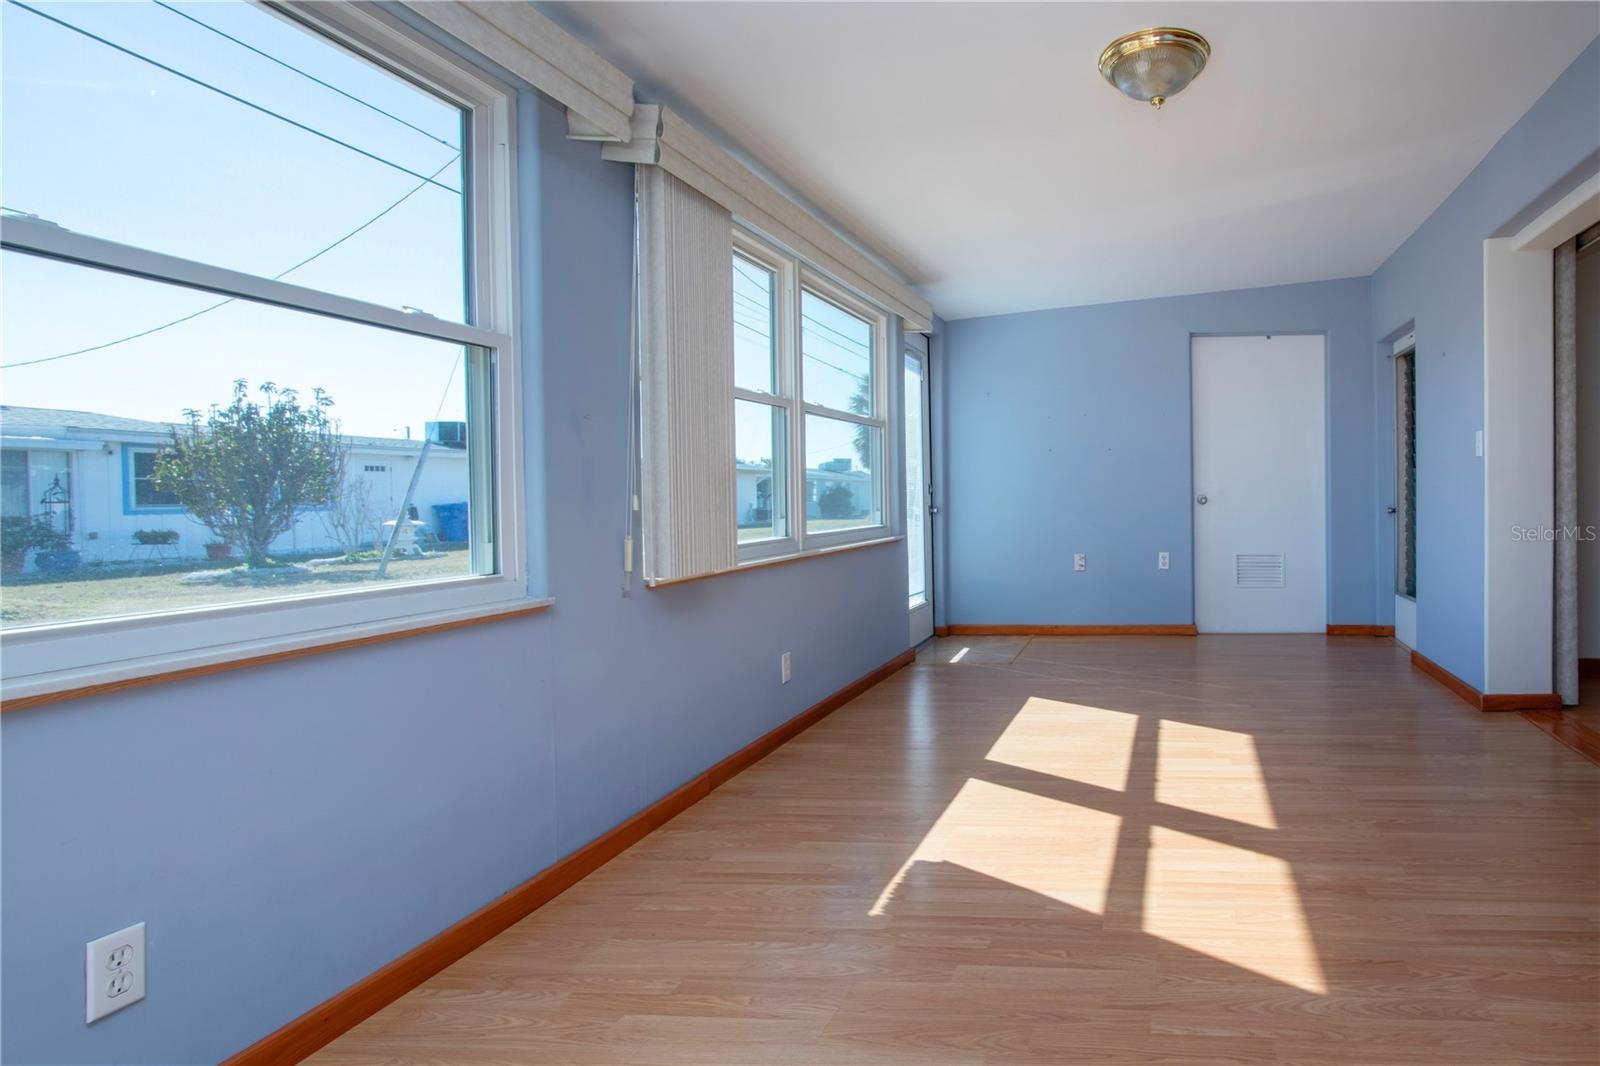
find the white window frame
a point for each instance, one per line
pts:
(794, 277)
(43, 659)
(785, 295)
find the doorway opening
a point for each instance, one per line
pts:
(919, 489)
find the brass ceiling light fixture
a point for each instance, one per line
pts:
(1154, 65)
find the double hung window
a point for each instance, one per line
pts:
(254, 255)
(810, 407)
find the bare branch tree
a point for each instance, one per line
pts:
(351, 518)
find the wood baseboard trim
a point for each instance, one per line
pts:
(1569, 729)
(321, 1024)
(1486, 701)
(1589, 667)
(941, 631)
(1360, 631)
(1446, 678)
(1520, 701)
(1072, 631)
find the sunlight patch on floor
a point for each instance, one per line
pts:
(1069, 740)
(1256, 922)
(1212, 771)
(1058, 850)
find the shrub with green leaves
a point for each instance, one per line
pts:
(21, 533)
(243, 470)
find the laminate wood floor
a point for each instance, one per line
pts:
(1286, 850)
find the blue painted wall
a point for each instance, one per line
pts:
(1069, 431)
(286, 830)
(1436, 280)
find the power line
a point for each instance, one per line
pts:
(231, 96)
(858, 378)
(212, 307)
(303, 73)
(451, 380)
(862, 345)
(765, 313)
(808, 318)
(810, 356)
(767, 285)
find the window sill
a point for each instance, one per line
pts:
(40, 689)
(778, 560)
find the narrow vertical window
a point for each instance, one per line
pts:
(843, 427)
(1405, 556)
(760, 408)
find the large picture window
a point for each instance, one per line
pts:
(810, 415)
(258, 297)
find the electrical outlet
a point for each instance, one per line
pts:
(1078, 562)
(783, 665)
(113, 972)
(1163, 560)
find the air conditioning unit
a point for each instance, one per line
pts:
(448, 434)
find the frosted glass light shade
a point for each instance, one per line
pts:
(1154, 65)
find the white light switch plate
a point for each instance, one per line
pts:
(114, 972)
(783, 667)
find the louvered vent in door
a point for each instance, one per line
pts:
(1258, 571)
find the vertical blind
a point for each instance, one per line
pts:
(1566, 471)
(686, 387)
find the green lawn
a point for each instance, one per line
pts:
(33, 599)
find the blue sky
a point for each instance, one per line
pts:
(105, 144)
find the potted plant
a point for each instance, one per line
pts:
(218, 549)
(53, 551)
(16, 538)
(155, 536)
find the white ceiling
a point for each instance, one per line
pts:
(976, 146)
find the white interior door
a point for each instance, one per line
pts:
(919, 490)
(1260, 530)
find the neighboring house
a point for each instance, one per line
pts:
(830, 476)
(753, 490)
(100, 469)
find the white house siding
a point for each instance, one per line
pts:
(818, 481)
(745, 495)
(444, 481)
(102, 526)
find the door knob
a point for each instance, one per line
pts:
(1201, 500)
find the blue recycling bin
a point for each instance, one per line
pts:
(451, 520)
